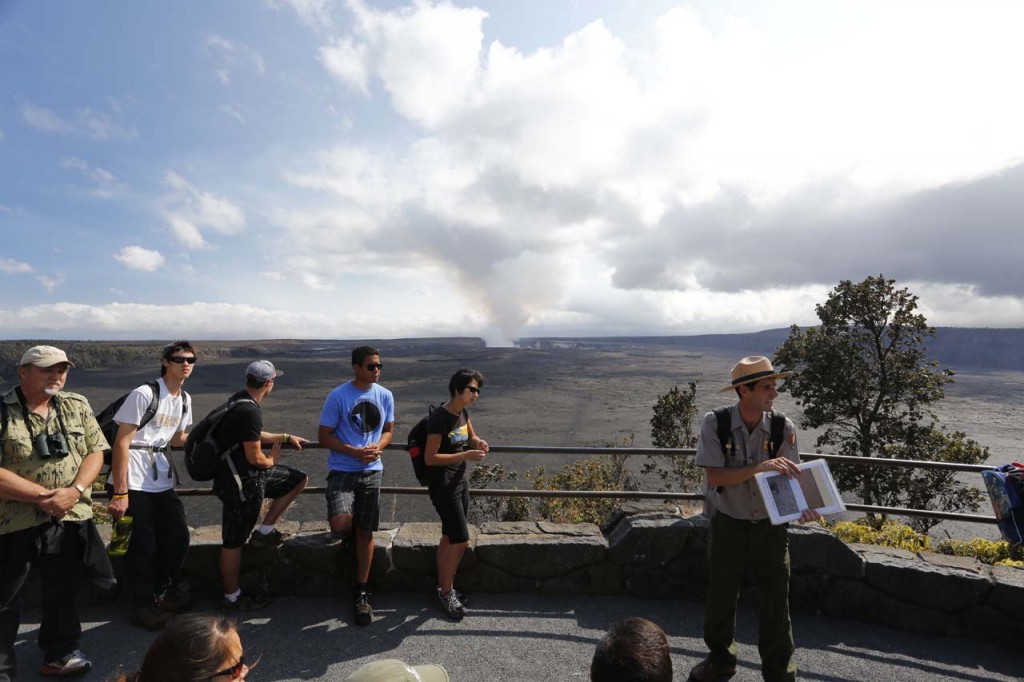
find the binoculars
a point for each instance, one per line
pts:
(51, 445)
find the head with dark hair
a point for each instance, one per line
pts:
(461, 379)
(192, 647)
(361, 353)
(633, 650)
(173, 348)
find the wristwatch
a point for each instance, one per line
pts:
(78, 487)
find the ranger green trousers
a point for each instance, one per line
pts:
(733, 545)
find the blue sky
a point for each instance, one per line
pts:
(307, 168)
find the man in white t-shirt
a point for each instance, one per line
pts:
(143, 478)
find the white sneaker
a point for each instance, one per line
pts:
(73, 664)
(449, 604)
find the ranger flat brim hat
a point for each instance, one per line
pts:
(754, 368)
(393, 670)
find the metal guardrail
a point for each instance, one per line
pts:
(655, 495)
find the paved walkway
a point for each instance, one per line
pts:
(532, 638)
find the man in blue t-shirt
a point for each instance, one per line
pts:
(356, 424)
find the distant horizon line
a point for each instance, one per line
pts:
(441, 336)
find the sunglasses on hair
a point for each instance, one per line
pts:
(474, 389)
(235, 671)
(179, 359)
(373, 366)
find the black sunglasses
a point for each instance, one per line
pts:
(235, 671)
(474, 389)
(375, 366)
(180, 359)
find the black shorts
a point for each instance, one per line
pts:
(239, 517)
(452, 505)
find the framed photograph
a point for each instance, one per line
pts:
(786, 498)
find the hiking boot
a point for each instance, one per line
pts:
(272, 539)
(176, 599)
(706, 671)
(150, 616)
(245, 602)
(449, 604)
(71, 665)
(362, 609)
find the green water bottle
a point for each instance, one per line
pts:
(122, 534)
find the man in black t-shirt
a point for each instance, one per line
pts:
(259, 477)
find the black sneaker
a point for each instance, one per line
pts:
(449, 604)
(272, 539)
(706, 671)
(151, 617)
(176, 599)
(245, 602)
(362, 609)
(71, 665)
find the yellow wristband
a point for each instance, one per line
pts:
(284, 438)
(120, 497)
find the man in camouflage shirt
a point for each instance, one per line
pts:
(51, 449)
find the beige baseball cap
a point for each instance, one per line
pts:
(393, 670)
(45, 356)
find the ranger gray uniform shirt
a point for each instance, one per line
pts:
(741, 501)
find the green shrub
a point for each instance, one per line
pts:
(891, 534)
(997, 553)
(592, 473)
(482, 509)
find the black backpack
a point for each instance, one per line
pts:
(109, 427)
(416, 444)
(203, 456)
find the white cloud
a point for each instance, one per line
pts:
(315, 13)
(192, 213)
(232, 56)
(427, 56)
(50, 283)
(105, 185)
(9, 266)
(139, 258)
(233, 112)
(102, 126)
(43, 119)
(120, 320)
(97, 125)
(346, 61)
(314, 282)
(640, 159)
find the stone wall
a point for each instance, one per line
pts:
(647, 550)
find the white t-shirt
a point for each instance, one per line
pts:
(149, 470)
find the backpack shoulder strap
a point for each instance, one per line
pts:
(723, 422)
(154, 404)
(778, 432)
